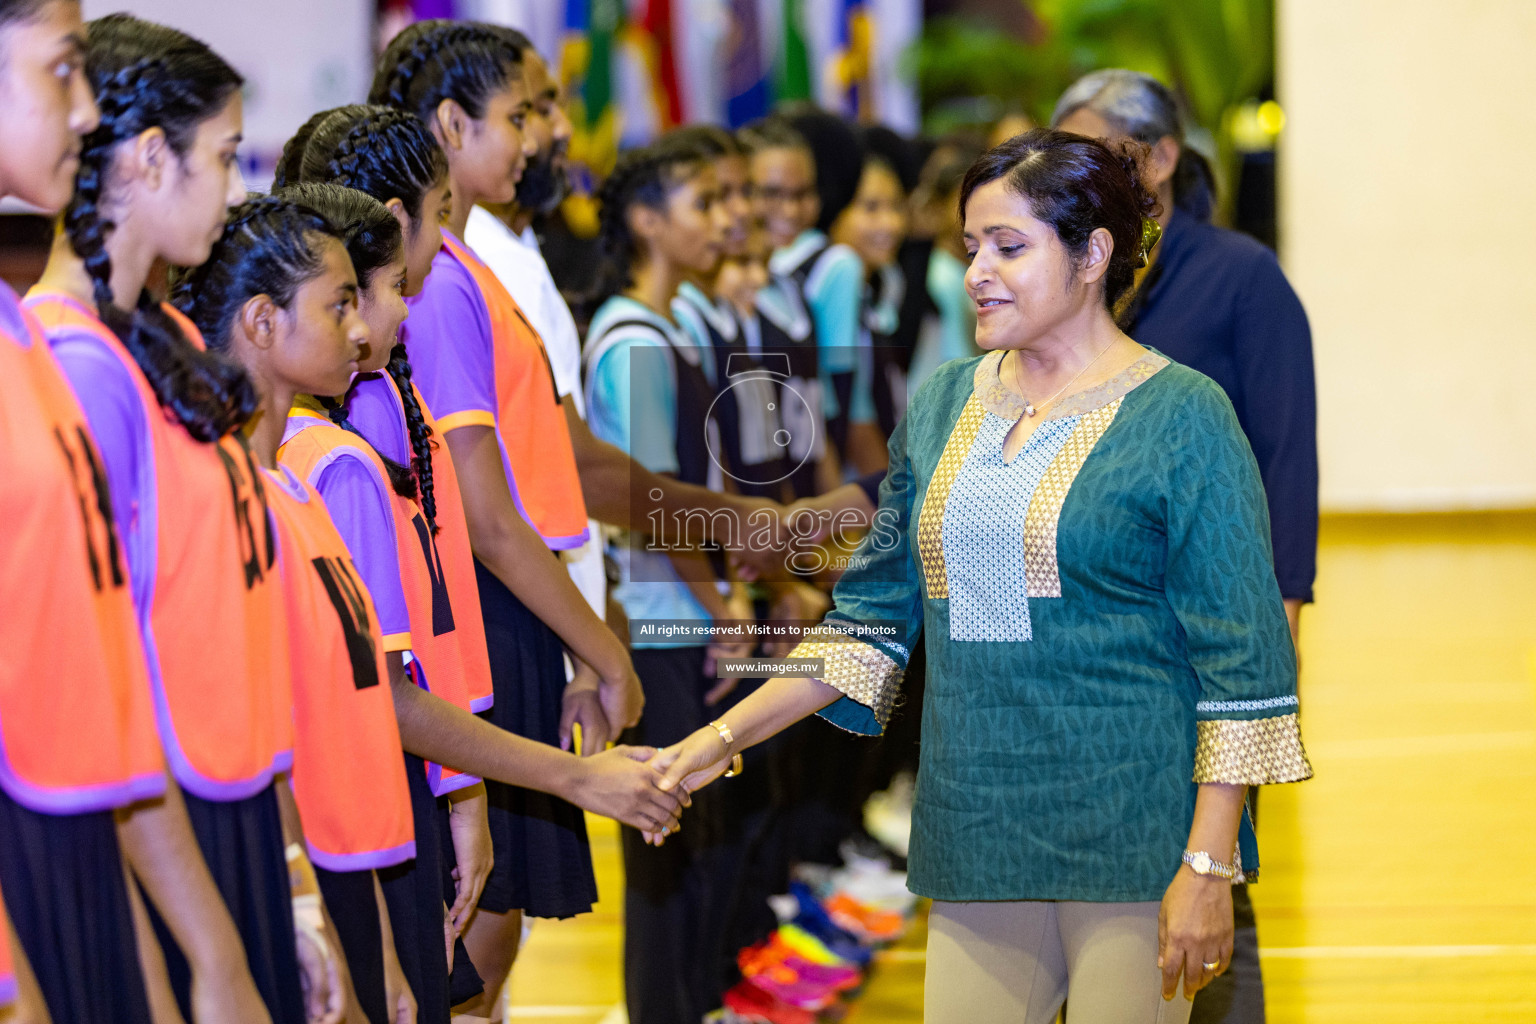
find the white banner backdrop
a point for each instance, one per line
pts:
(297, 56)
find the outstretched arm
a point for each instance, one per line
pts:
(620, 491)
(614, 783)
(703, 755)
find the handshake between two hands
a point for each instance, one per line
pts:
(648, 789)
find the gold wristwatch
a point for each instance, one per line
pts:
(1201, 863)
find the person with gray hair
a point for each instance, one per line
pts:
(1217, 301)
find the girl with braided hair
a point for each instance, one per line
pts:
(279, 295)
(390, 154)
(81, 748)
(155, 178)
(484, 371)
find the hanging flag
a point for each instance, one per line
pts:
(651, 36)
(850, 67)
(747, 88)
(792, 76)
(586, 74)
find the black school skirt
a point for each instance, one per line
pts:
(543, 860)
(415, 893)
(242, 843)
(62, 875)
(354, 909)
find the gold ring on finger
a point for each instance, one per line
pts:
(1212, 965)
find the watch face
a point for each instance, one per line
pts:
(1201, 863)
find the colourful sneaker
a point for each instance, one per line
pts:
(866, 923)
(813, 918)
(775, 951)
(808, 946)
(751, 1001)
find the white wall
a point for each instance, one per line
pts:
(1408, 206)
(297, 56)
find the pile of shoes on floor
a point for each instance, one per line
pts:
(832, 922)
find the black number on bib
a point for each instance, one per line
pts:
(256, 565)
(89, 465)
(346, 594)
(442, 607)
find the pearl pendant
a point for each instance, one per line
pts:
(1029, 408)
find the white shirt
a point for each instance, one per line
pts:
(519, 265)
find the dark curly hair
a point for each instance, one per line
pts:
(435, 60)
(271, 246)
(641, 177)
(1075, 184)
(388, 154)
(147, 76)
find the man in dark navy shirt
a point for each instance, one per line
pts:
(1217, 301)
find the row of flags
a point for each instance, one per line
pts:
(634, 68)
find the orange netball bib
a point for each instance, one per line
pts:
(348, 772)
(529, 417)
(215, 634)
(77, 722)
(312, 443)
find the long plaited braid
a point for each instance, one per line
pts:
(148, 76)
(422, 445)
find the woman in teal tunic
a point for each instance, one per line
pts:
(1077, 526)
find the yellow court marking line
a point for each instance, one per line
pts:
(567, 1011)
(1393, 952)
(904, 956)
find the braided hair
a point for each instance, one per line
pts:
(290, 165)
(436, 60)
(147, 76)
(387, 154)
(641, 177)
(373, 239)
(271, 246)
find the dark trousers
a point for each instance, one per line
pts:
(675, 897)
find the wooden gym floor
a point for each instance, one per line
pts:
(1399, 884)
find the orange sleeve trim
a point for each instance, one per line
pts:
(467, 418)
(397, 642)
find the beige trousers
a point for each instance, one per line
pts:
(1016, 962)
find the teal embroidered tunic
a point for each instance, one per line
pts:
(1103, 624)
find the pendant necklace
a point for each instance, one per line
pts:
(1029, 407)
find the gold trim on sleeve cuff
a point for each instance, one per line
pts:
(862, 673)
(1259, 752)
